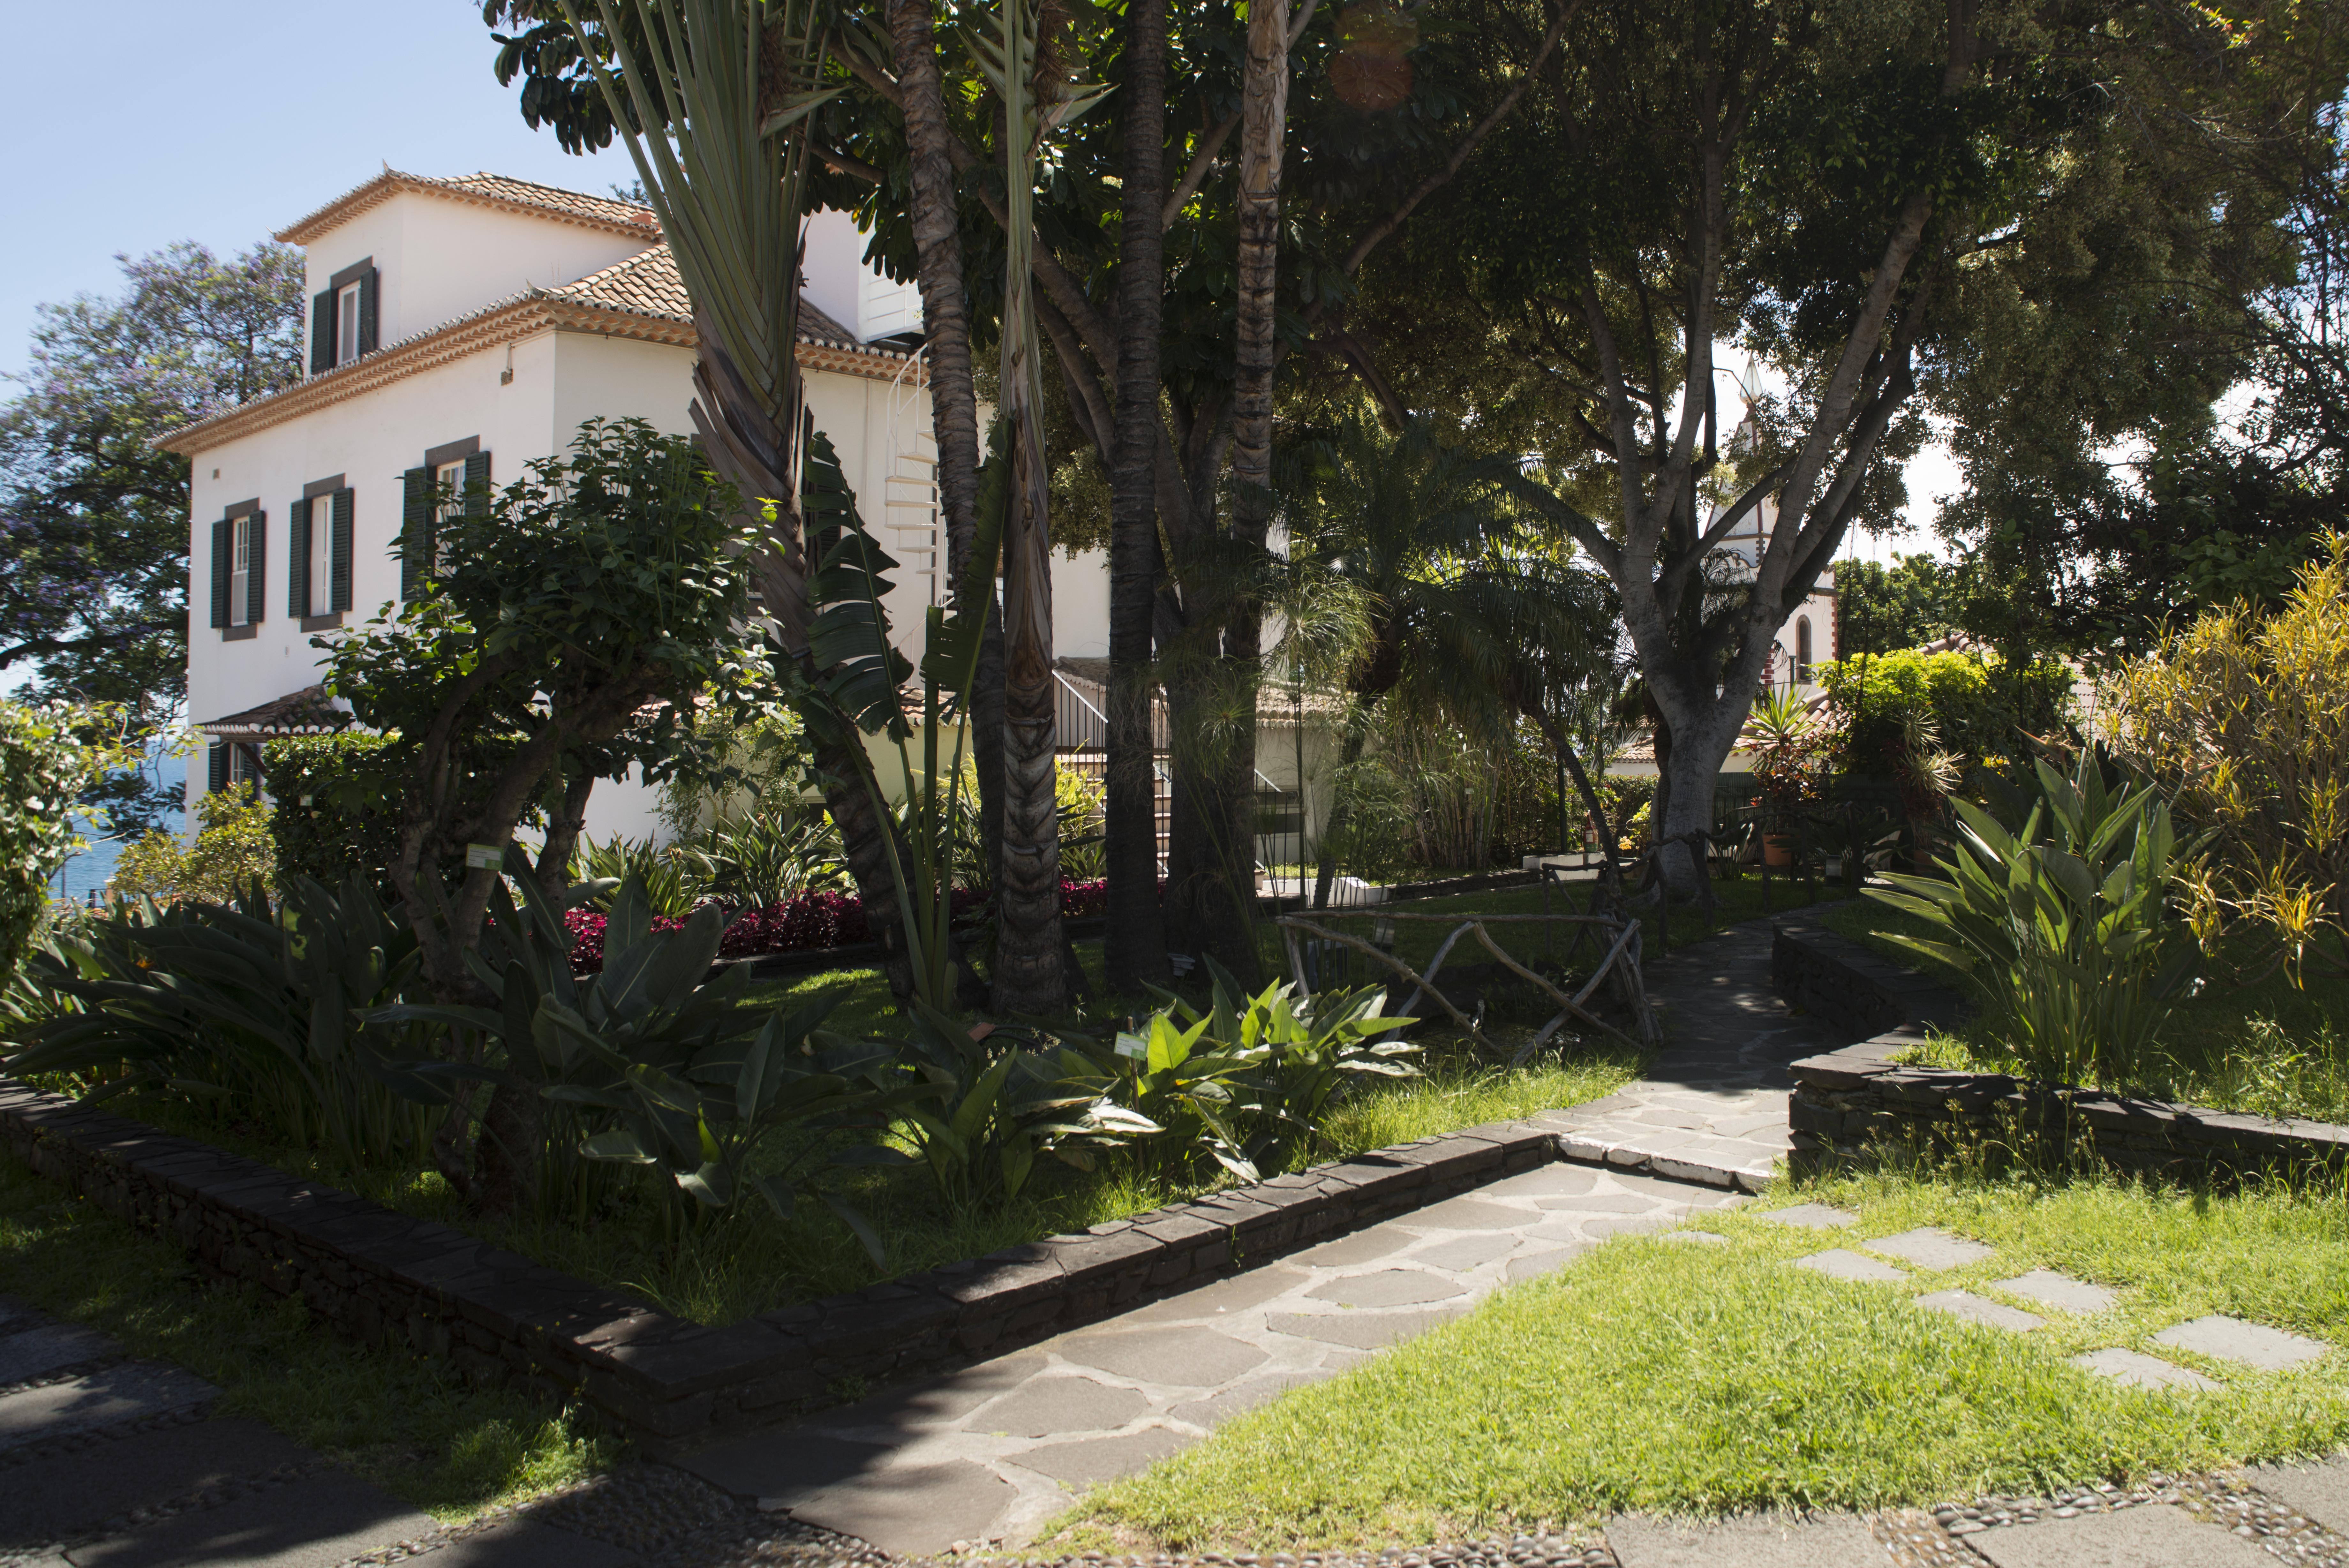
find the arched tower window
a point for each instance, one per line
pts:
(1803, 648)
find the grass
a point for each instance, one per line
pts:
(2267, 1048)
(1662, 1377)
(411, 1426)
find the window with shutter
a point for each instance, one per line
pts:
(240, 570)
(415, 531)
(318, 555)
(322, 333)
(221, 567)
(477, 484)
(256, 575)
(297, 560)
(339, 553)
(369, 291)
(216, 765)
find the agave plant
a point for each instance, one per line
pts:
(675, 883)
(2060, 925)
(649, 1062)
(759, 861)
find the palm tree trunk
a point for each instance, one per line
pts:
(1135, 950)
(954, 396)
(1030, 976)
(1263, 126)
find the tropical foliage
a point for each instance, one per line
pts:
(2244, 717)
(2062, 924)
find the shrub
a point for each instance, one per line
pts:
(233, 850)
(337, 800)
(1977, 705)
(2245, 717)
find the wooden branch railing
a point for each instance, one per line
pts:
(1622, 958)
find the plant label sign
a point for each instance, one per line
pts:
(484, 856)
(1133, 1045)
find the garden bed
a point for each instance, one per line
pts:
(1846, 1103)
(417, 1285)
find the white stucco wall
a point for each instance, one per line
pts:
(1080, 604)
(441, 259)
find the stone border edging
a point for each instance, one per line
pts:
(417, 1285)
(1844, 1101)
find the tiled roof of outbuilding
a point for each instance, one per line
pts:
(648, 284)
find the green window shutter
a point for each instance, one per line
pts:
(297, 560)
(477, 485)
(256, 582)
(322, 333)
(415, 531)
(368, 280)
(338, 561)
(216, 766)
(222, 564)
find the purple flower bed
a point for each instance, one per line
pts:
(806, 922)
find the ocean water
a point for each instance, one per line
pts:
(85, 874)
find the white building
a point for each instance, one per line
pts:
(461, 328)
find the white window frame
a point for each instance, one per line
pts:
(347, 324)
(240, 570)
(321, 564)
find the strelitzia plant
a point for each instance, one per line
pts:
(2061, 927)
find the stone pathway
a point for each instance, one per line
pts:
(2251, 1345)
(111, 1462)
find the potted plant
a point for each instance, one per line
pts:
(1788, 745)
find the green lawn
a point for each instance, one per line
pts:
(412, 1426)
(1666, 1377)
(2271, 1047)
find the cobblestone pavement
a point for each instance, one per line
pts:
(108, 1461)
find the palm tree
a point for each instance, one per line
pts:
(1025, 66)
(712, 98)
(1408, 525)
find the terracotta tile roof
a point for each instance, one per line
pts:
(304, 713)
(648, 284)
(483, 190)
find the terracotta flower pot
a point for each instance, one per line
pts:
(1777, 850)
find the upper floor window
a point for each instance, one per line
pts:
(239, 542)
(1803, 648)
(343, 319)
(240, 575)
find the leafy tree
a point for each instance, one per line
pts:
(577, 612)
(49, 753)
(1884, 608)
(1866, 197)
(93, 517)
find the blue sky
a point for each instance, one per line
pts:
(138, 123)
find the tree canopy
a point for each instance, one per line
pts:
(93, 519)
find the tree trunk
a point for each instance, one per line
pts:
(553, 868)
(1263, 125)
(954, 396)
(1030, 973)
(1211, 860)
(1135, 950)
